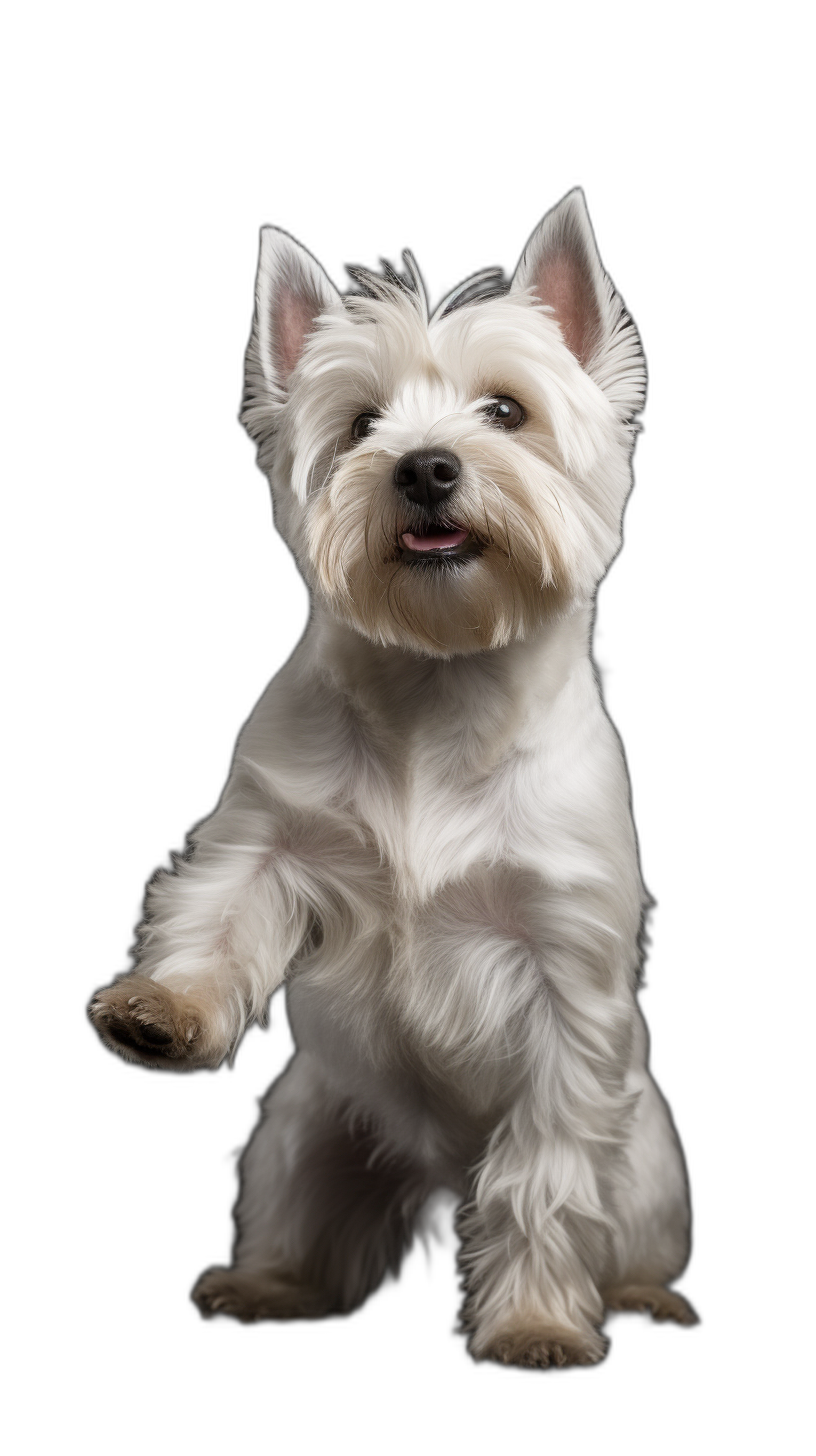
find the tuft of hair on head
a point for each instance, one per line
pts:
(562, 269)
(477, 288)
(389, 285)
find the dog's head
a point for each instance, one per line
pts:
(447, 481)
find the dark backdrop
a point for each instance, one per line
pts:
(179, 603)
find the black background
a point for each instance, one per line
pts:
(179, 603)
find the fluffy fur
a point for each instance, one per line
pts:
(426, 831)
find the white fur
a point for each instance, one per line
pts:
(426, 830)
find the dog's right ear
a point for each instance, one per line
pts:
(291, 292)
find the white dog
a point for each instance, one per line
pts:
(427, 830)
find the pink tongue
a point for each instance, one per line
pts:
(434, 540)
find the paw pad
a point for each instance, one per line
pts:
(150, 1024)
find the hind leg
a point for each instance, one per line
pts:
(322, 1214)
(654, 1217)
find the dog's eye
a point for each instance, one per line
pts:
(505, 412)
(363, 425)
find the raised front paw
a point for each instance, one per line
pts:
(147, 1022)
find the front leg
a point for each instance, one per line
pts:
(218, 935)
(537, 1232)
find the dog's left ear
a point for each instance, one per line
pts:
(562, 267)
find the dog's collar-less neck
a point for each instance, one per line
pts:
(403, 689)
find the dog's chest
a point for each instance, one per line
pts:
(427, 985)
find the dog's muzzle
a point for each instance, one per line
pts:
(428, 478)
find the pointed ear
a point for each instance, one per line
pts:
(562, 267)
(291, 292)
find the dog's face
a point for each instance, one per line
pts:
(447, 482)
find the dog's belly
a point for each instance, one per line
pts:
(430, 1123)
(440, 1122)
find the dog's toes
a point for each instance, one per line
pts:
(540, 1347)
(662, 1304)
(257, 1294)
(147, 1022)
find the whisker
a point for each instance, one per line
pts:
(366, 529)
(498, 493)
(556, 501)
(488, 530)
(331, 467)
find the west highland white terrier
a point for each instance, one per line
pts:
(427, 831)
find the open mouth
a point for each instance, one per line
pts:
(438, 542)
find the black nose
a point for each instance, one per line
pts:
(427, 476)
